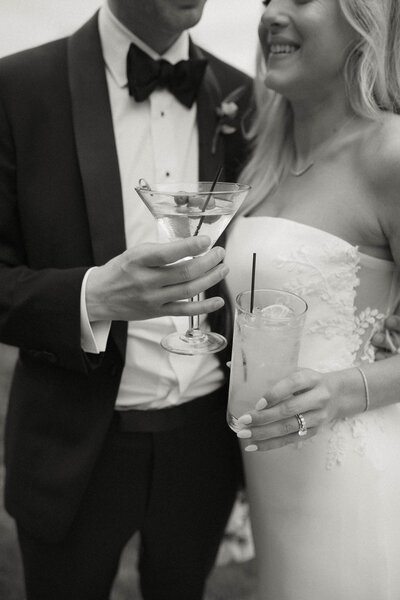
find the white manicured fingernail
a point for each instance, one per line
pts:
(251, 448)
(245, 420)
(244, 433)
(261, 404)
(228, 364)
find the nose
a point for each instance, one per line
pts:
(274, 16)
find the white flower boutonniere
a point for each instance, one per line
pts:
(227, 113)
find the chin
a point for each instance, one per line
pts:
(284, 83)
(193, 15)
(275, 83)
(186, 18)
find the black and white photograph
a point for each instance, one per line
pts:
(199, 300)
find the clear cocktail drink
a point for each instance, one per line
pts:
(265, 349)
(179, 222)
(190, 209)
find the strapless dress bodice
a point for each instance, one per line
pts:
(348, 293)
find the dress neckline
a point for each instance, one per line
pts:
(366, 257)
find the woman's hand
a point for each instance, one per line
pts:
(277, 419)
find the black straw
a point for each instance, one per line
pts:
(214, 183)
(253, 279)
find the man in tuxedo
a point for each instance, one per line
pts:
(106, 433)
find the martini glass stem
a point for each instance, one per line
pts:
(194, 322)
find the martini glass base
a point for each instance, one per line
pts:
(200, 342)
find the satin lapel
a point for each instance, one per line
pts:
(96, 149)
(208, 99)
(95, 143)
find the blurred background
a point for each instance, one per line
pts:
(229, 29)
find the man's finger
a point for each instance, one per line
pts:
(186, 309)
(190, 270)
(190, 289)
(382, 355)
(393, 323)
(392, 341)
(379, 341)
(157, 255)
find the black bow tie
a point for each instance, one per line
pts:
(145, 74)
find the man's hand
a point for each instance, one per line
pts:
(146, 281)
(388, 340)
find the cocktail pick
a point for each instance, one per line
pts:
(253, 279)
(214, 183)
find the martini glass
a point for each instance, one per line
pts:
(188, 209)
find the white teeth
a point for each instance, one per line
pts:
(282, 49)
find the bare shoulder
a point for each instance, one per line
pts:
(379, 160)
(380, 154)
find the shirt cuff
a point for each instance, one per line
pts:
(94, 335)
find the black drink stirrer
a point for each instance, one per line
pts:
(253, 279)
(214, 183)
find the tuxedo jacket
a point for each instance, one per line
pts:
(61, 213)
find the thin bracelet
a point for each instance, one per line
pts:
(366, 388)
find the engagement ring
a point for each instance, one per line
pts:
(302, 425)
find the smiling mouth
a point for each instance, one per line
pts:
(282, 49)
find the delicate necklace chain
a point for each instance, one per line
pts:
(308, 166)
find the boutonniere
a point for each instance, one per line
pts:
(228, 116)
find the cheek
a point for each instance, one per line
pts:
(325, 53)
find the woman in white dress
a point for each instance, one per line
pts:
(324, 220)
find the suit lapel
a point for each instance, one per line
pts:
(96, 150)
(95, 143)
(209, 98)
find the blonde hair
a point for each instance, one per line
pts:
(372, 78)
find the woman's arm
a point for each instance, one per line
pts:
(323, 397)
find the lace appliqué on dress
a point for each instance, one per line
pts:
(328, 280)
(368, 322)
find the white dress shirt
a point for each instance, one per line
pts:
(156, 140)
